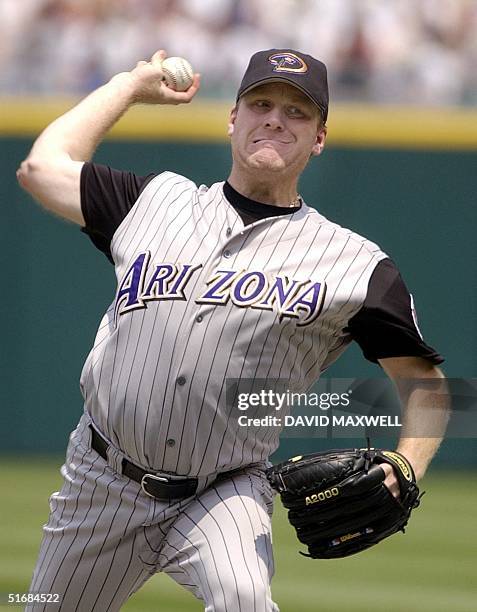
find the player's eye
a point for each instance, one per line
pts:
(295, 111)
(261, 104)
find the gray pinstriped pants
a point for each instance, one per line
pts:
(105, 537)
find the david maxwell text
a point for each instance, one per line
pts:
(321, 421)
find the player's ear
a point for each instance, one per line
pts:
(233, 116)
(320, 140)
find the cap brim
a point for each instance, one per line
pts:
(280, 79)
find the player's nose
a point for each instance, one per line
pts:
(274, 119)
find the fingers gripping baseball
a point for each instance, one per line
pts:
(150, 87)
(158, 57)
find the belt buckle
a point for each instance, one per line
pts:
(153, 477)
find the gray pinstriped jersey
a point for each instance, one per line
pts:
(202, 299)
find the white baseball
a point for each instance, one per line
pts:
(178, 73)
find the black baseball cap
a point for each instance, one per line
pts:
(299, 69)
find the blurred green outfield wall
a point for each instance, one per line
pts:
(419, 206)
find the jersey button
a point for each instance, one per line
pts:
(228, 232)
(227, 254)
(171, 442)
(181, 380)
(199, 318)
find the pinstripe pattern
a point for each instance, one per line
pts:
(105, 538)
(129, 381)
(225, 536)
(155, 385)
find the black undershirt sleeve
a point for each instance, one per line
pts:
(385, 325)
(107, 195)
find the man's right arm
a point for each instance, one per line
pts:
(51, 172)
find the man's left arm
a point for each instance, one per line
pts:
(424, 395)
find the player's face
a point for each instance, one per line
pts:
(275, 127)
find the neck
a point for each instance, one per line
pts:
(267, 192)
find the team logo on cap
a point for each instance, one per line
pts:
(287, 62)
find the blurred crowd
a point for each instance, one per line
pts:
(404, 51)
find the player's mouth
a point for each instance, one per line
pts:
(270, 141)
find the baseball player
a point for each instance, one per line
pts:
(238, 280)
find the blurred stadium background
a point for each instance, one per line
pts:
(400, 168)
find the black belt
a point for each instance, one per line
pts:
(162, 486)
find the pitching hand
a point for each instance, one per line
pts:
(149, 88)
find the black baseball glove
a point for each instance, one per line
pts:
(337, 501)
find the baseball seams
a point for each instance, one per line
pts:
(178, 73)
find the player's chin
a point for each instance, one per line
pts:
(266, 159)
